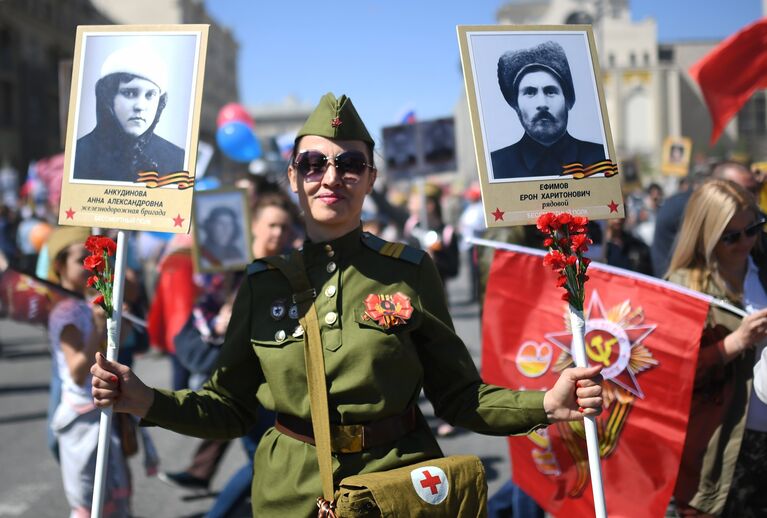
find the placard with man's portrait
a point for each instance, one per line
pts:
(540, 126)
(131, 145)
(222, 230)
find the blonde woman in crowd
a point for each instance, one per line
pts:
(723, 462)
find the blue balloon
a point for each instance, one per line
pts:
(207, 183)
(238, 142)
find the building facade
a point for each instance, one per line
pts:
(37, 40)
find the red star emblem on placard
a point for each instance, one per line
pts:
(336, 122)
(70, 213)
(177, 221)
(498, 214)
(612, 206)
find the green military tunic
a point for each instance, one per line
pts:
(374, 370)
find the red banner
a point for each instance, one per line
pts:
(28, 299)
(646, 335)
(731, 73)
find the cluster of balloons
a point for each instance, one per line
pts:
(235, 135)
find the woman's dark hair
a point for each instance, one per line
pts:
(110, 129)
(216, 213)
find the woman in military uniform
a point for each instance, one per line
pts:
(386, 334)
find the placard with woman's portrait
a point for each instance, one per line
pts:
(222, 237)
(132, 130)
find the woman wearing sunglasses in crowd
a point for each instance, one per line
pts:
(724, 462)
(377, 360)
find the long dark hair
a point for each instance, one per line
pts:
(109, 129)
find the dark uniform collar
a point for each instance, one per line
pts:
(343, 246)
(563, 151)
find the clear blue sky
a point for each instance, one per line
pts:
(393, 55)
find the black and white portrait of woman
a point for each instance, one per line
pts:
(222, 240)
(133, 107)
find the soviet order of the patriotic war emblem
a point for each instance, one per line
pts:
(613, 338)
(388, 310)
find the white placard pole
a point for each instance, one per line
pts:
(113, 346)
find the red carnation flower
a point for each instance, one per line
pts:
(99, 300)
(567, 240)
(544, 221)
(94, 263)
(92, 280)
(555, 259)
(580, 243)
(97, 245)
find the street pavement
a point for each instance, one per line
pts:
(30, 481)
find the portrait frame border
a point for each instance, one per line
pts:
(502, 199)
(178, 202)
(244, 220)
(682, 168)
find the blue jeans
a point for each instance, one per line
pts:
(510, 501)
(237, 487)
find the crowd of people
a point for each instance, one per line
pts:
(705, 233)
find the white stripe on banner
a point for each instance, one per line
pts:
(616, 271)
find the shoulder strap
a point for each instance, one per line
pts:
(304, 296)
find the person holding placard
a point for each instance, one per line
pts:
(385, 334)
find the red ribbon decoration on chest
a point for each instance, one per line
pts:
(388, 310)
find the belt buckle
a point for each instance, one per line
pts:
(349, 438)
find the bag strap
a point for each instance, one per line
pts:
(304, 296)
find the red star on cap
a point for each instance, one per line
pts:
(498, 214)
(70, 213)
(612, 206)
(336, 122)
(177, 221)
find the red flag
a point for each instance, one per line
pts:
(645, 332)
(730, 73)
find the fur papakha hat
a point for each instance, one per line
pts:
(548, 56)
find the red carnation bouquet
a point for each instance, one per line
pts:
(567, 240)
(102, 278)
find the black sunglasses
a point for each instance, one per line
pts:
(731, 238)
(350, 165)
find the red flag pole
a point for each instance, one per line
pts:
(578, 349)
(113, 346)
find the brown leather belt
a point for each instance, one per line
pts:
(351, 438)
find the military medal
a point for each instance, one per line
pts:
(293, 312)
(388, 310)
(278, 310)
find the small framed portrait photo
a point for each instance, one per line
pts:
(222, 236)
(133, 125)
(541, 133)
(675, 156)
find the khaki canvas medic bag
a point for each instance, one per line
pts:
(446, 487)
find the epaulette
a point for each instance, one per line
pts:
(395, 250)
(258, 266)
